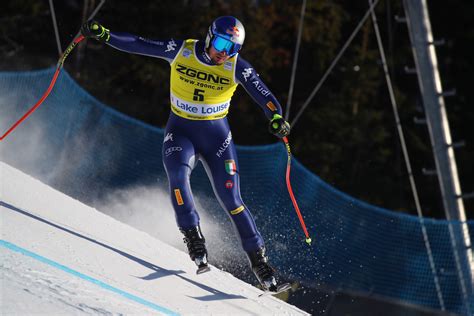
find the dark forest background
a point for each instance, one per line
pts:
(347, 135)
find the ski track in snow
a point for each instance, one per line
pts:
(59, 256)
(45, 290)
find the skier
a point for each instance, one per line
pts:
(204, 76)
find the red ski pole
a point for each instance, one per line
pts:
(71, 46)
(290, 191)
(79, 37)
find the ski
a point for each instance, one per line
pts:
(280, 289)
(203, 268)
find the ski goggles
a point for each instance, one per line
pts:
(222, 44)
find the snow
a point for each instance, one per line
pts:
(59, 256)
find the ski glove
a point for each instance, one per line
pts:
(279, 127)
(93, 29)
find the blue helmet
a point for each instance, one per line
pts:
(227, 34)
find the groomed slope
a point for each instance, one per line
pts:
(58, 255)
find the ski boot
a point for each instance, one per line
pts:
(262, 269)
(196, 244)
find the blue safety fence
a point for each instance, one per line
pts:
(84, 148)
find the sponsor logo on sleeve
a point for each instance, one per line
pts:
(271, 106)
(171, 46)
(179, 198)
(260, 88)
(147, 40)
(247, 73)
(230, 167)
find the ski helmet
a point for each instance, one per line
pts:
(227, 34)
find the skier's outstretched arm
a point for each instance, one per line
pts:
(246, 75)
(165, 49)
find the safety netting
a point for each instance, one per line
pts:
(84, 148)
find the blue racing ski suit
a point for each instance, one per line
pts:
(199, 131)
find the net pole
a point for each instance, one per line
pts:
(295, 60)
(407, 160)
(55, 25)
(334, 62)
